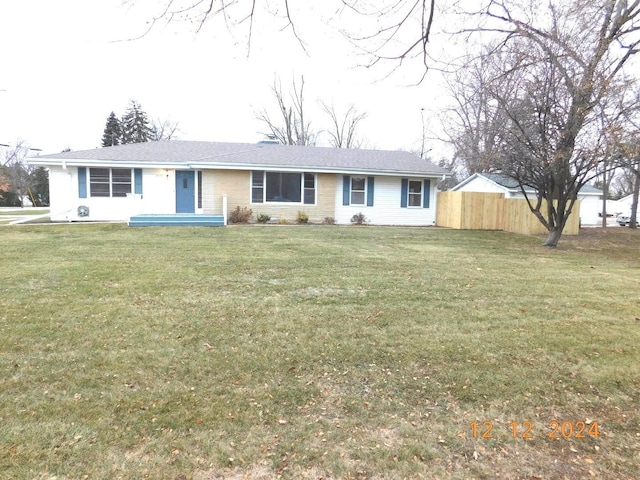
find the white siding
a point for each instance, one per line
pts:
(63, 189)
(158, 196)
(624, 205)
(481, 184)
(386, 209)
(590, 206)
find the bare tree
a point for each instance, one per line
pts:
(635, 170)
(13, 155)
(622, 183)
(234, 13)
(401, 30)
(472, 126)
(4, 182)
(291, 127)
(622, 157)
(618, 161)
(17, 174)
(627, 159)
(163, 130)
(558, 64)
(343, 127)
(396, 31)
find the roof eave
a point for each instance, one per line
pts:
(464, 182)
(64, 163)
(230, 166)
(317, 169)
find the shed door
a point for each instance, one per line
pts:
(185, 191)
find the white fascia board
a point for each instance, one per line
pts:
(506, 189)
(464, 182)
(228, 166)
(527, 189)
(314, 169)
(106, 163)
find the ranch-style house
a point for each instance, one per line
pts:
(199, 179)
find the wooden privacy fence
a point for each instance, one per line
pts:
(492, 211)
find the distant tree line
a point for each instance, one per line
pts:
(135, 127)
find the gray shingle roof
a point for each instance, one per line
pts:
(501, 179)
(175, 153)
(591, 189)
(511, 184)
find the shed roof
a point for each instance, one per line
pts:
(217, 155)
(513, 185)
(499, 179)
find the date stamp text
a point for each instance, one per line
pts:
(555, 429)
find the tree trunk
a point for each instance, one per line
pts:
(605, 195)
(553, 238)
(633, 220)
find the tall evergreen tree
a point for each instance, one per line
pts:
(112, 131)
(40, 186)
(135, 125)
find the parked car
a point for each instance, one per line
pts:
(623, 220)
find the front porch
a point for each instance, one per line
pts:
(176, 220)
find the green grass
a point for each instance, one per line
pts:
(22, 212)
(315, 352)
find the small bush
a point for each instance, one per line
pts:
(283, 221)
(359, 219)
(240, 215)
(302, 218)
(262, 218)
(329, 221)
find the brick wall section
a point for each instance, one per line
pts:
(237, 186)
(209, 204)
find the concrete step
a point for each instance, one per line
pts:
(176, 220)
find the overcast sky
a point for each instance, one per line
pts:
(66, 64)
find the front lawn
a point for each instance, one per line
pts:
(317, 352)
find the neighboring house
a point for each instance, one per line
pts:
(168, 177)
(613, 208)
(624, 204)
(590, 197)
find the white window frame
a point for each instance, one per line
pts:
(363, 192)
(414, 194)
(263, 186)
(111, 182)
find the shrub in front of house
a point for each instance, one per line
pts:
(240, 215)
(263, 218)
(302, 218)
(359, 219)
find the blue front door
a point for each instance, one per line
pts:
(185, 192)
